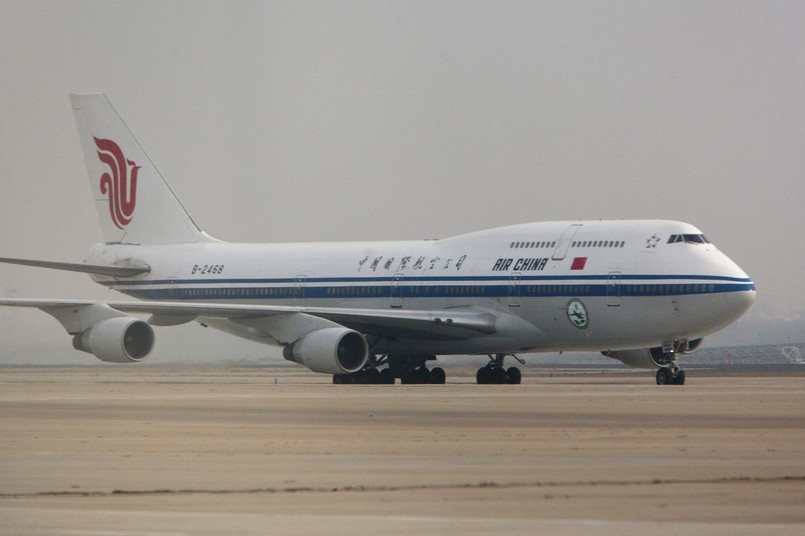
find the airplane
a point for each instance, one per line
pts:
(643, 292)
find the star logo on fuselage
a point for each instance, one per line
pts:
(652, 241)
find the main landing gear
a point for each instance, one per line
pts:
(494, 372)
(369, 375)
(411, 369)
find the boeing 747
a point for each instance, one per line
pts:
(643, 292)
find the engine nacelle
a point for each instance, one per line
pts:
(652, 357)
(117, 340)
(330, 350)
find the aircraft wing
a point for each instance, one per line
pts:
(96, 269)
(282, 323)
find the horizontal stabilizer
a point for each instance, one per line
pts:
(96, 269)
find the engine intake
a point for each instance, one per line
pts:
(330, 351)
(117, 340)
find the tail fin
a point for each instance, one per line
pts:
(135, 205)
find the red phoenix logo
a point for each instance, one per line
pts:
(120, 189)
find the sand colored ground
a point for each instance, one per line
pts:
(158, 450)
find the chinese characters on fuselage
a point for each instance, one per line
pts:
(421, 263)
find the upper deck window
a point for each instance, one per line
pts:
(688, 239)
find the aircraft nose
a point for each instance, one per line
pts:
(741, 301)
(740, 289)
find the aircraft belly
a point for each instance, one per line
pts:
(238, 330)
(637, 322)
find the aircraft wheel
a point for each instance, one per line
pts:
(438, 376)
(372, 376)
(423, 375)
(342, 379)
(483, 376)
(416, 376)
(499, 375)
(664, 376)
(387, 376)
(679, 378)
(492, 374)
(513, 376)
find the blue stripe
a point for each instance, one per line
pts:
(416, 279)
(434, 291)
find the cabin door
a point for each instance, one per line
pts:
(299, 290)
(514, 289)
(614, 289)
(396, 291)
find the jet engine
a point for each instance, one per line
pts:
(117, 340)
(650, 358)
(330, 350)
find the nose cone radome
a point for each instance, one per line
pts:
(741, 300)
(742, 291)
(735, 292)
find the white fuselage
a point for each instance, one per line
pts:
(551, 286)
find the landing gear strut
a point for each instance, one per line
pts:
(494, 372)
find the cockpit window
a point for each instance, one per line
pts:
(688, 239)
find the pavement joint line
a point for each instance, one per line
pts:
(375, 489)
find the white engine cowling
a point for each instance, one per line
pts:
(330, 351)
(117, 340)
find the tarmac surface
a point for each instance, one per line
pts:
(155, 450)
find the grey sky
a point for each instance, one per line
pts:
(295, 121)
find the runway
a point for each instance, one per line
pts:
(208, 450)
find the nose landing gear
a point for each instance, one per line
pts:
(670, 376)
(669, 372)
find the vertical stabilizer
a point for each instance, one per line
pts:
(135, 205)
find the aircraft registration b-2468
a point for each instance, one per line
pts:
(642, 291)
